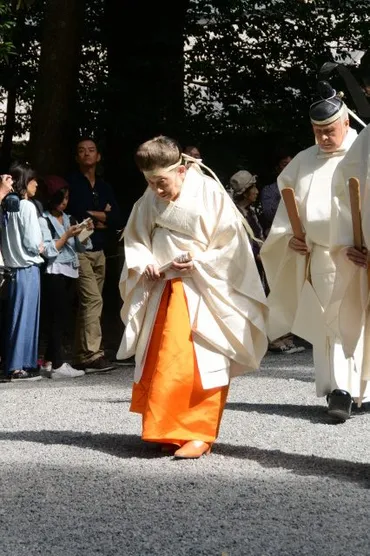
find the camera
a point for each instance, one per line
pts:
(10, 203)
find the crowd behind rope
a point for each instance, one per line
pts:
(55, 247)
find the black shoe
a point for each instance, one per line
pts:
(97, 366)
(365, 408)
(340, 403)
(130, 362)
(22, 375)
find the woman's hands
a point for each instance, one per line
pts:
(152, 272)
(72, 231)
(183, 267)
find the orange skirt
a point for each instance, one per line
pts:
(174, 406)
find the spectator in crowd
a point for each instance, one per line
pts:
(245, 194)
(90, 196)
(270, 194)
(6, 187)
(21, 245)
(60, 236)
(193, 151)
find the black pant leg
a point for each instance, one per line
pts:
(56, 305)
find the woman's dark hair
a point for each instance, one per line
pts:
(57, 198)
(22, 175)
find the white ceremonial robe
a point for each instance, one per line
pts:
(300, 287)
(348, 310)
(226, 302)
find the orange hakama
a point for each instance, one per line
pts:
(174, 406)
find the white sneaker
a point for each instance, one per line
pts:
(66, 371)
(45, 370)
(292, 348)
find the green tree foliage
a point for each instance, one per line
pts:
(251, 71)
(8, 13)
(19, 70)
(93, 77)
(6, 25)
(252, 66)
(24, 26)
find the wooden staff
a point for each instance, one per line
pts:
(358, 240)
(355, 201)
(290, 201)
(288, 196)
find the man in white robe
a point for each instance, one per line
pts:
(348, 310)
(301, 273)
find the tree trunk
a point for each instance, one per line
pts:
(53, 127)
(145, 42)
(10, 82)
(9, 128)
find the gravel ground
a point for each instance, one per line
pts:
(282, 480)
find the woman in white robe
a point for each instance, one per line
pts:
(184, 212)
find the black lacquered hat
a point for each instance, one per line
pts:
(329, 108)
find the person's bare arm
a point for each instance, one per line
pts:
(71, 232)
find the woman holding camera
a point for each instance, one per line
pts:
(61, 240)
(21, 245)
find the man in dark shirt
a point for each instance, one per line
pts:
(270, 194)
(90, 196)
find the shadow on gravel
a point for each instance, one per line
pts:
(144, 511)
(130, 446)
(316, 414)
(343, 470)
(107, 400)
(119, 445)
(312, 413)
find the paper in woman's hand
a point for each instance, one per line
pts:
(184, 258)
(86, 230)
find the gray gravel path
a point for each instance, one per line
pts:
(76, 479)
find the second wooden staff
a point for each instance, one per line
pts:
(288, 196)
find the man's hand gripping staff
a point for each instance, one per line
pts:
(357, 254)
(298, 241)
